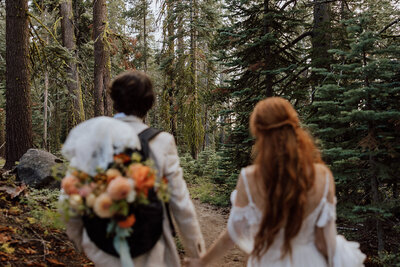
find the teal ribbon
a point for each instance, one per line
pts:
(122, 246)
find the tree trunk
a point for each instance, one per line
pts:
(267, 52)
(19, 136)
(45, 103)
(108, 106)
(321, 39)
(170, 81)
(99, 25)
(68, 38)
(2, 134)
(193, 48)
(145, 34)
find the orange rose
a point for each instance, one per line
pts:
(122, 158)
(128, 222)
(144, 179)
(133, 169)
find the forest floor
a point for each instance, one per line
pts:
(33, 236)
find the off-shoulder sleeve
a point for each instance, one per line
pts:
(242, 225)
(341, 253)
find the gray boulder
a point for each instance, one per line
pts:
(35, 169)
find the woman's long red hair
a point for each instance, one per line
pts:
(285, 161)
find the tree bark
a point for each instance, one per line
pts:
(68, 39)
(99, 25)
(267, 52)
(108, 106)
(2, 134)
(321, 39)
(145, 34)
(45, 102)
(19, 136)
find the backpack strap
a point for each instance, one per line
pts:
(145, 136)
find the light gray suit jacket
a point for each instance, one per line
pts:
(164, 253)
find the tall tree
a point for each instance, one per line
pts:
(73, 86)
(100, 55)
(19, 136)
(321, 39)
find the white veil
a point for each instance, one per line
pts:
(92, 144)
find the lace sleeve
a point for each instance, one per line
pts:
(243, 225)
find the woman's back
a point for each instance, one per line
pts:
(250, 200)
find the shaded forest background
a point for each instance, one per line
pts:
(338, 62)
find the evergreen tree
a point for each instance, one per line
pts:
(357, 122)
(262, 47)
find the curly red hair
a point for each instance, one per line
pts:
(285, 157)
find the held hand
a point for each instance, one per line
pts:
(190, 262)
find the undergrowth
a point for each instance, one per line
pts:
(201, 175)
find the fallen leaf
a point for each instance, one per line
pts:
(34, 264)
(13, 191)
(28, 250)
(14, 211)
(6, 229)
(7, 257)
(55, 262)
(31, 220)
(4, 238)
(7, 249)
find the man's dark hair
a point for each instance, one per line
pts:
(132, 93)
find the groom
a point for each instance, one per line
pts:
(133, 96)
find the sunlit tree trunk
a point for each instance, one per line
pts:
(19, 136)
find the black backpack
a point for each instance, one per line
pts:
(147, 229)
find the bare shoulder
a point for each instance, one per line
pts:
(321, 172)
(241, 196)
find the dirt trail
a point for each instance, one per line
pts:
(212, 222)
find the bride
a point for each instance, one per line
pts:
(283, 209)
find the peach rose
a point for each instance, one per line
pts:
(102, 206)
(90, 200)
(85, 190)
(111, 174)
(119, 188)
(69, 184)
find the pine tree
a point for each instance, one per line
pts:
(261, 47)
(357, 122)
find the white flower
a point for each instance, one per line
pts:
(131, 196)
(75, 201)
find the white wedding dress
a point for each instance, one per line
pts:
(244, 223)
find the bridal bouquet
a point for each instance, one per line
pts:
(110, 193)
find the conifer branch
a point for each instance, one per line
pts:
(44, 26)
(287, 4)
(298, 39)
(389, 25)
